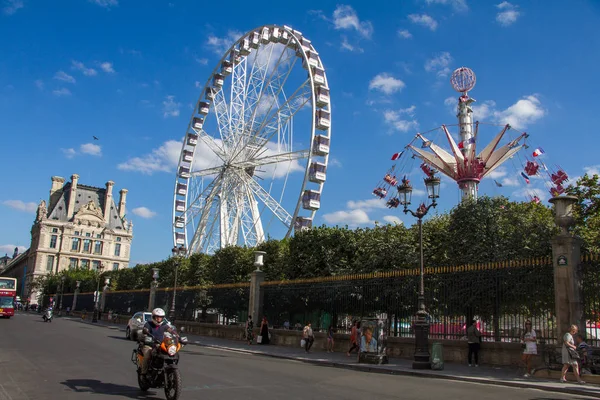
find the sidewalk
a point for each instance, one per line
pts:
(452, 371)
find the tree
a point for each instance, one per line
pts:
(587, 210)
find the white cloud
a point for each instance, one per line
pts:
(344, 17)
(353, 217)
(79, 66)
(423, 20)
(170, 107)
(105, 3)
(386, 83)
(163, 159)
(221, 44)
(61, 92)
(498, 173)
(278, 170)
(508, 14)
(392, 219)
(524, 112)
(21, 205)
(69, 153)
(334, 162)
(439, 64)
(91, 149)
(12, 6)
(404, 34)
(10, 249)
(457, 5)
(484, 110)
(144, 212)
(107, 67)
(347, 46)
(527, 192)
(396, 119)
(592, 170)
(39, 84)
(201, 61)
(450, 101)
(63, 76)
(365, 205)
(197, 85)
(508, 181)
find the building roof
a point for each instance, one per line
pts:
(15, 261)
(84, 194)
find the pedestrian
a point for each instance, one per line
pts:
(264, 331)
(353, 338)
(570, 357)
(585, 353)
(367, 343)
(286, 324)
(249, 329)
(474, 340)
(529, 343)
(308, 336)
(330, 342)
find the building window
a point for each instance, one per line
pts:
(76, 233)
(118, 239)
(72, 263)
(50, 264)
(54, 230)
(53, 240)
(75, 244)
(88, 234)
(118, 249)
(98, 247)
(98, 236)
(85, 264)
(87, 246)
(95, 265)
(115, 266)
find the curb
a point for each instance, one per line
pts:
(382, 370)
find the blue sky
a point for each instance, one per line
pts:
(131, 73)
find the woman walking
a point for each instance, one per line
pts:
(353, 338)
(529, 341)
(330, 342)
(264, 331)
(474, 339)
(249, 330)
(308, 336)
(569, 355)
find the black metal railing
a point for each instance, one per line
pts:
(590, 274)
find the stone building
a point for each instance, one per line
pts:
(80, 227)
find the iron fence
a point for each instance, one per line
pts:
(590, 272)
(500, 296)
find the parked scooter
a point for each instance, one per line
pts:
(48, 315)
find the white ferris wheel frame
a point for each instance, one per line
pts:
(231, 174)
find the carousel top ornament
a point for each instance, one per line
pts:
(463, 79)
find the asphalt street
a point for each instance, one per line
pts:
(67, 359)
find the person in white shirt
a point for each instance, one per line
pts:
(308, 336)
(529, 346)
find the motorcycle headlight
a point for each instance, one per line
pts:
(172, 350)
(148, 339)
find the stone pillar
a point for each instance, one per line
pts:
(72, 196)
(152, 296)
(103, 298)
(566, 260)
(108, 200)
(55, 191)
(122, 202)
(255, 303)
(75, 294)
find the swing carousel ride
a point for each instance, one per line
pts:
(462, 163)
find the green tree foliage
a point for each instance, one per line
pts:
(587, 210)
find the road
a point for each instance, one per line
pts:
(67, 359)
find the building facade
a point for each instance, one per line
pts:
(80, 227)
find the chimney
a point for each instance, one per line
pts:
(72, 196)
(122, 202)
(16, 253)
(108, 200)
(55, 191)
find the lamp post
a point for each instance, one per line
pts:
(97, 294)
(153, 286)
(62, 291)
(75, 294)
(178, 252)
(421, 326)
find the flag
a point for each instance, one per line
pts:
(497, 183)
(525, 176)
(426, 144)
(464, 143)
(538, 152)
(396, 156)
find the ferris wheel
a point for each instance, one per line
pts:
(254, 157)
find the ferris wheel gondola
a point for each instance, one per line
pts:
(264, 113)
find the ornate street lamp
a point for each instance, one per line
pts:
(259, 259)
(62, 290)
(155, 274)
(97, 294)
(421, 326)
(178, 252)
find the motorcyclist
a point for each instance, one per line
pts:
(156, 327)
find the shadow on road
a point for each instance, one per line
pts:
(189, 353)
(122, 338)
(112, 389)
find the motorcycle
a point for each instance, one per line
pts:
(47, 316)
(163, 371)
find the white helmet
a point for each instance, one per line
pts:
(157, 312)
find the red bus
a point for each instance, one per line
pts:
(8, 294)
